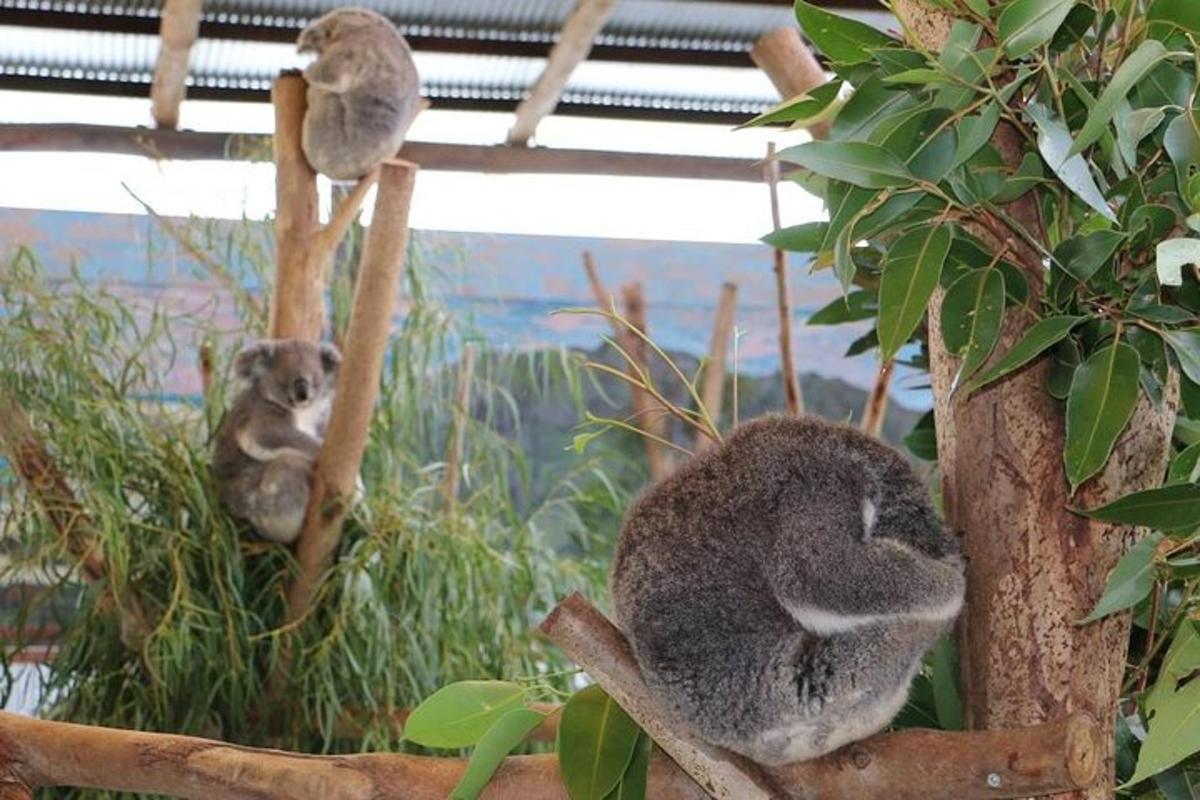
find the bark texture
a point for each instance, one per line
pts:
(1034, 567)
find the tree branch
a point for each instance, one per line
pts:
(713, 390)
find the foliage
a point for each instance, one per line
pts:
(420, 596)
(1043, 173)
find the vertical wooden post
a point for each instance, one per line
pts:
(177, 33)
(791, 66)
(791, 382)
(650, 416)
(713, 391)
(297, 304)
(462, 413)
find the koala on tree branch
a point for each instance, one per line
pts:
(267, 444)
(779, 591)
(363, 92)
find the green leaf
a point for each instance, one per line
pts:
(1168, 508)
(1185, 467)
(806, 108)
(1040, 336)
(1133, 127)
(946, 698)
(972, 312)
(1028, 175)
(1028, 24)
(1167, 17)
(974, 132)
(846, 41)
(1130, 581)
(910, 274)
(921, 75)
(1172, 708)
(862, 164)
(1183, 146)
(1186, 345)
(1054, 143)
(922, 440)
(805, 238)
(1172, 256)
(1139, 63)
(851, 308)
(844, 267)
(499, 740)
(596, 740)
(872, 103)
(1103, 394)
(633, 782)
(1083, 256)
(459, 714)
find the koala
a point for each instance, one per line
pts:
(363, 92)
(266, 445)
(779, 591)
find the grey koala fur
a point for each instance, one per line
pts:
(780, 590)
(266, 445)
(363, 91)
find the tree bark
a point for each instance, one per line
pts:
(1034, 567)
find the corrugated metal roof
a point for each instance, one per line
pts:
(480, 54)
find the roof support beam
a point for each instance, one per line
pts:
(574, 44)
(180, 27)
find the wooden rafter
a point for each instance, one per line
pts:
(574, 44)
(179, 30)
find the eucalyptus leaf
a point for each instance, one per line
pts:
(1185, 467)
(1026, 25)
(596, 742)
(807, 237)
(1040, 336)
(1054, 143)
(1182, 144)
(946, 697)
(921, 76)
(1172, 708)
(459, 714)
(853, 307)
(1139, 64)
(1131, 580)
(809, 107)
(872, 103)
(1175, 507)
(1135, 126)
(971, 315)
(1186, 344)
(910, 274)
(844, 267)
(974, 132)
(1103, 395)
(1166, 17)
(1029, 173)
(840, 39)
(1172, 256)
(865, 165)
(499, 740)
(633, 782)
(1083, 256)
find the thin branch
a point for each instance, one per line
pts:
(877, 402)
(714, 368)
(791, 382)
(462, 413)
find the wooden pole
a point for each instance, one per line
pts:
(875, 410)
(793, 395)
(791, 66)
(462, 413)
(1034, 568)
(649, 415)
(178, 32)
(572, 48)
(712, 392)
(371, 318)
(913, 764)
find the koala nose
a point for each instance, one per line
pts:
(300, 390)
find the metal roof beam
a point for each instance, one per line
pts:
(573, 46)
(180, 27)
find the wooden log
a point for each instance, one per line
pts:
(793, 395)
(909, 765)
(712, 392)
(371, 315)
(648, 413)
(573, 45)
(433, 156)
(875, 411)
(462, 413)
(178, 32)
(12, 786)
(297, 302)
(791, 66)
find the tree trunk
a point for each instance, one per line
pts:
(1033, 567)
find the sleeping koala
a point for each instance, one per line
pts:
(268, 442)
(363, 92)
(780, 590)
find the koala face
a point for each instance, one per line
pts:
(290, 373)
(336, 25)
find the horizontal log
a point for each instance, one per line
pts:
(200, 145)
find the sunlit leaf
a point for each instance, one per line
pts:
(1028, 24)
(860, 163)
(910, 274)
(840, 39)
(1139, 63)
(809, 107)
(1169, 508)
(1054, 143)
(1172, 708)
(459, 714)
(1040, 336)
(499, 740)
(1130, 581)
(1103, 395)
(1172, 256)
(596, 742)
(804, 238)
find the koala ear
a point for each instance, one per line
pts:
(330, 358)
(254, 359)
